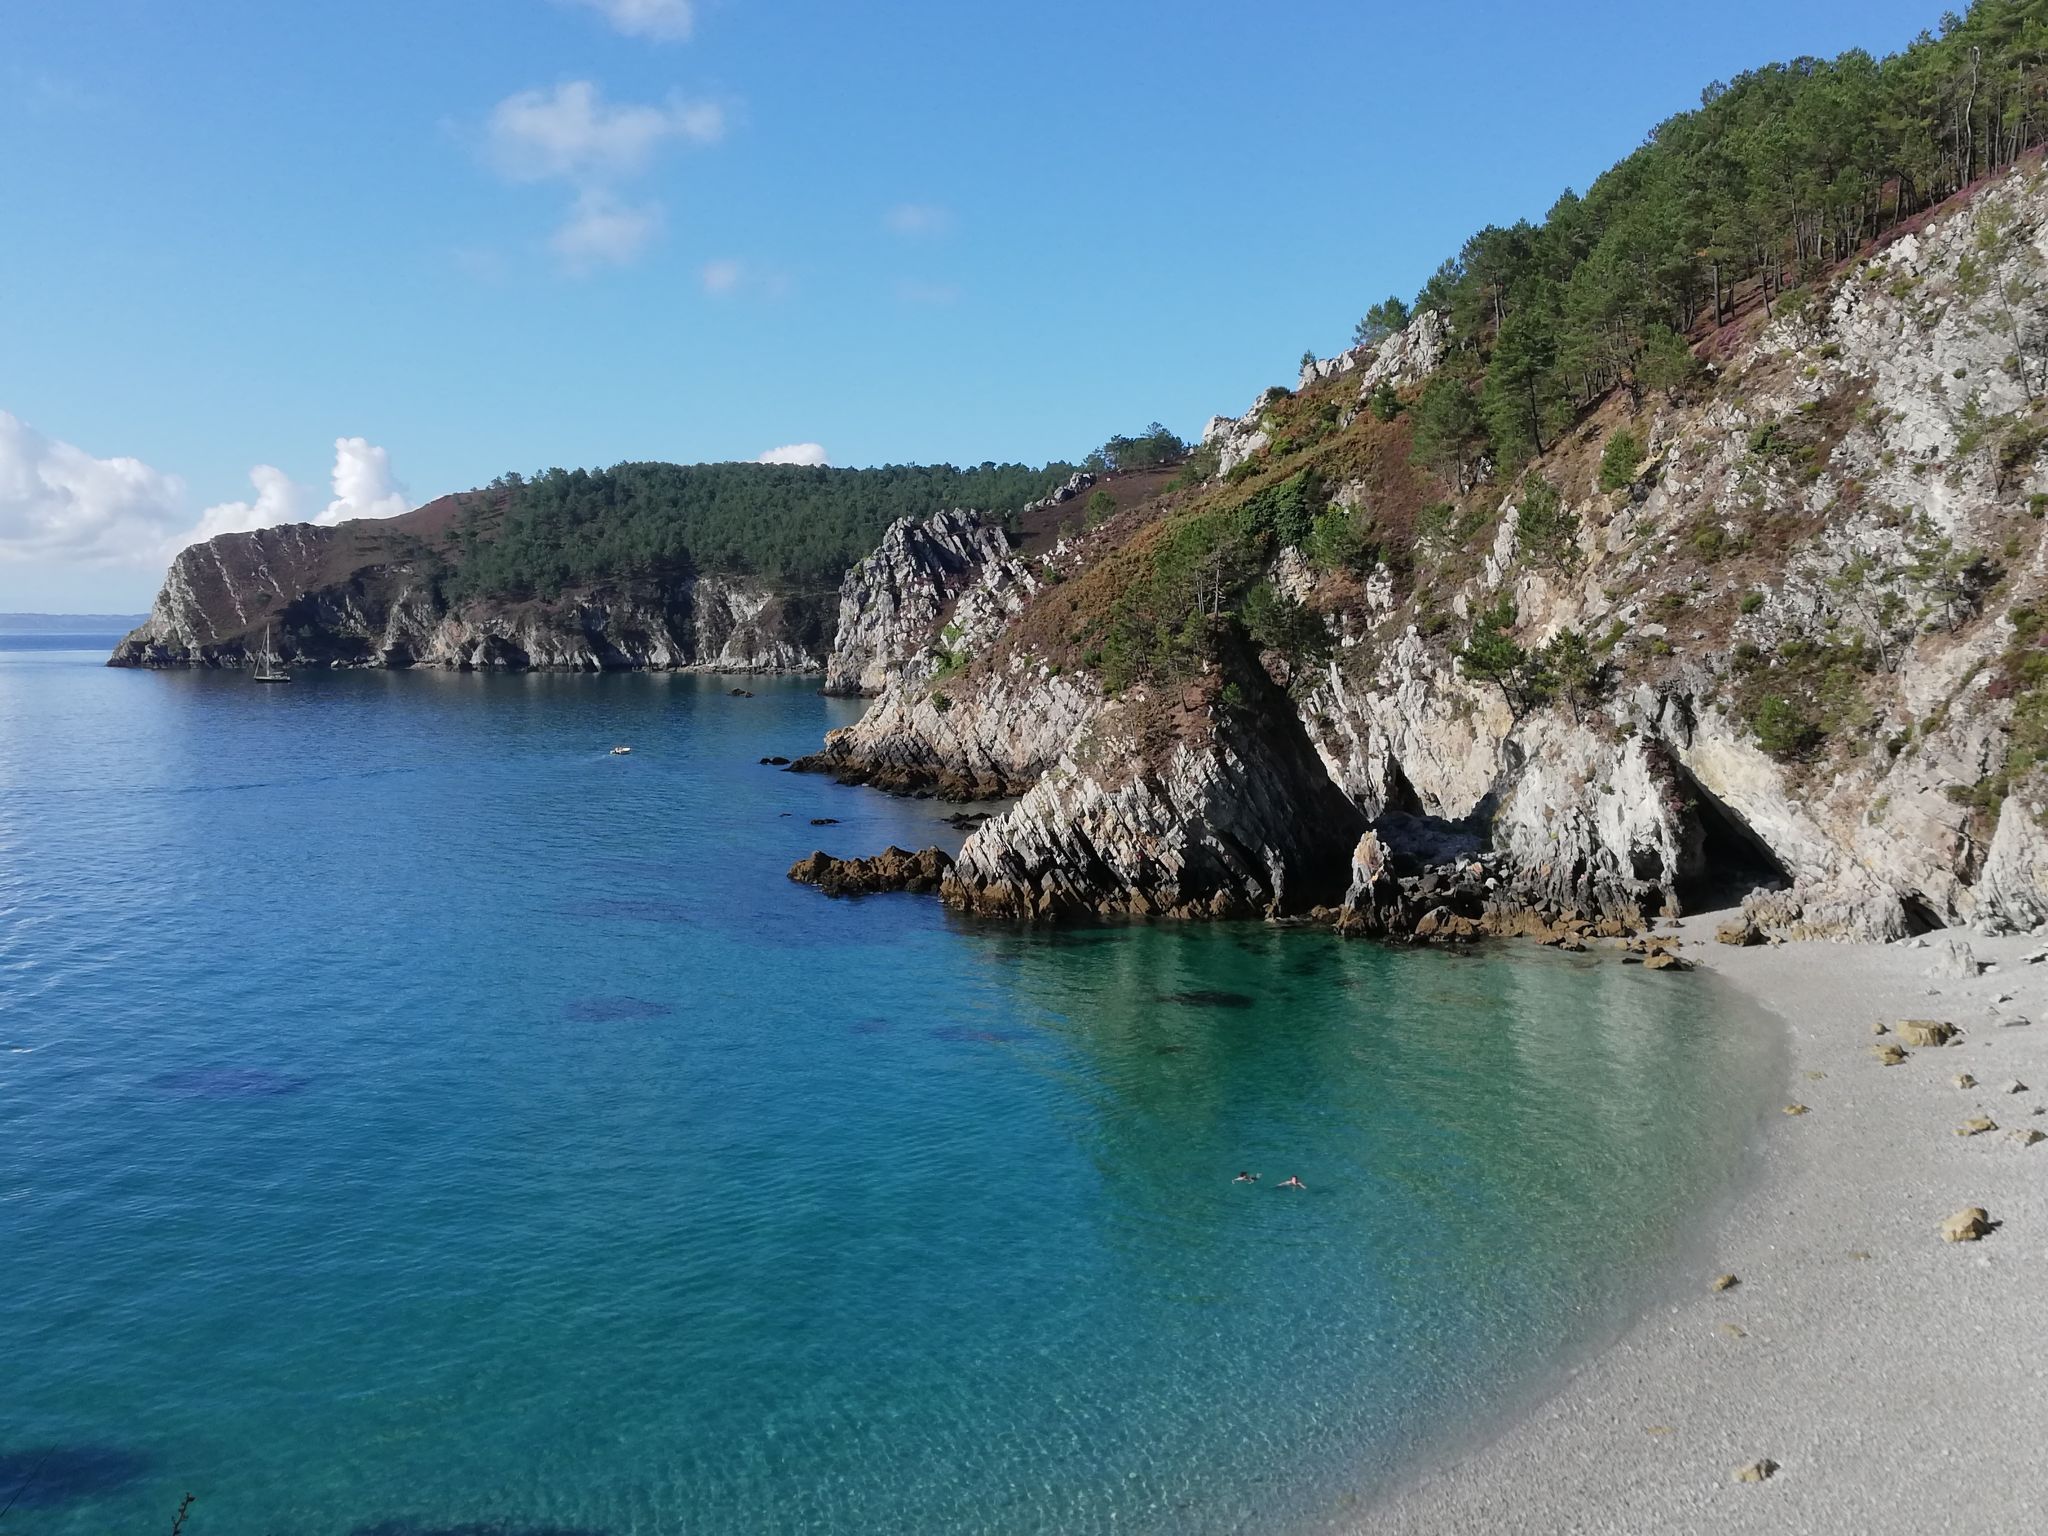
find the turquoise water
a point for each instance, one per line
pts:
(414, 1120)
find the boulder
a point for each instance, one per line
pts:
(1888, 1055)
(1981, 1125)
(1953, 961)
(1664, 960)
(1741, 932)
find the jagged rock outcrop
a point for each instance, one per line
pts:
(892, 603)
(1169, 808)
(893, 869)
(1405, 358)
(369, 595)
(990, 740)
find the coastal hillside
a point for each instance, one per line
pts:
(729, 566)
(1687, 546)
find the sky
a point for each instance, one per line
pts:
(265, 262)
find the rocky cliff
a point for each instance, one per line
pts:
(1772, 630)
(371, 594)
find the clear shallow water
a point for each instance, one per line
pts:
(413, 1119)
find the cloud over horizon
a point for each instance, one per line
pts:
(59, 502)
(812, 454)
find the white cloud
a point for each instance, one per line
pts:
(795, 453)
(363, 484)
(721, 278)
(603, 231)
(573, 134)
(663, 20)
(278, 500)
(918, 221)
(58, 502)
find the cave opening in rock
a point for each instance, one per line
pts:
(1731, 860)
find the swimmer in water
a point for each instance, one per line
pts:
(1246, 1178)
(1290, 1182)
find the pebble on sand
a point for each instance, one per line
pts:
(1977, 1127)
(2030, 1137)
(1725, 1282)
(1757, 1471)
(2015, 1086)
(1889, 1055)
(1966, 1226)
(1964, 1080)
(1797, 1109)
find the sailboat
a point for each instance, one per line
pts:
(267, 669)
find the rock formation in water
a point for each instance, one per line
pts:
(894, 869)
(1791, 648)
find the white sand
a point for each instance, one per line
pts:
(1900, 1382)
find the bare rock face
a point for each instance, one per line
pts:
(364, 595)
(2012, 892)
(989, 741)
(1207, 812)
(1880, 432)
(891, 603)
(894, 869)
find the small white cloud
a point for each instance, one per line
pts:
(662, 20)
(721, 278)
(573, 134)
(795, 453)
(603, 231)
(278, 500)
(918, 221)
(938, 295)
(363, 483)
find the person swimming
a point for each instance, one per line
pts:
(1291, 1182)
(1246, 1178)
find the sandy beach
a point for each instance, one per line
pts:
(1898, 1382)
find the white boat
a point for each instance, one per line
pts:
(621, 751)
(267, 669)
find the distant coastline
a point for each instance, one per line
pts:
(69, 623)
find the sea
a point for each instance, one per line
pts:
(416, 1120)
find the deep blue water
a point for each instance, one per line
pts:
(414, 1119)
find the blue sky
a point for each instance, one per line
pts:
(464, 236)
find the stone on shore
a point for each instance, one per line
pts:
(1926, 1032)
(1966, 1226)
(1760, 1471)
(1725, 1282)
(1888, 1055)
(1980, 1125)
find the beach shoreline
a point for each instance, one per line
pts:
(1894, 1380)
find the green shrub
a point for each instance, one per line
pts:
(1547, 531)
(1618, 461)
